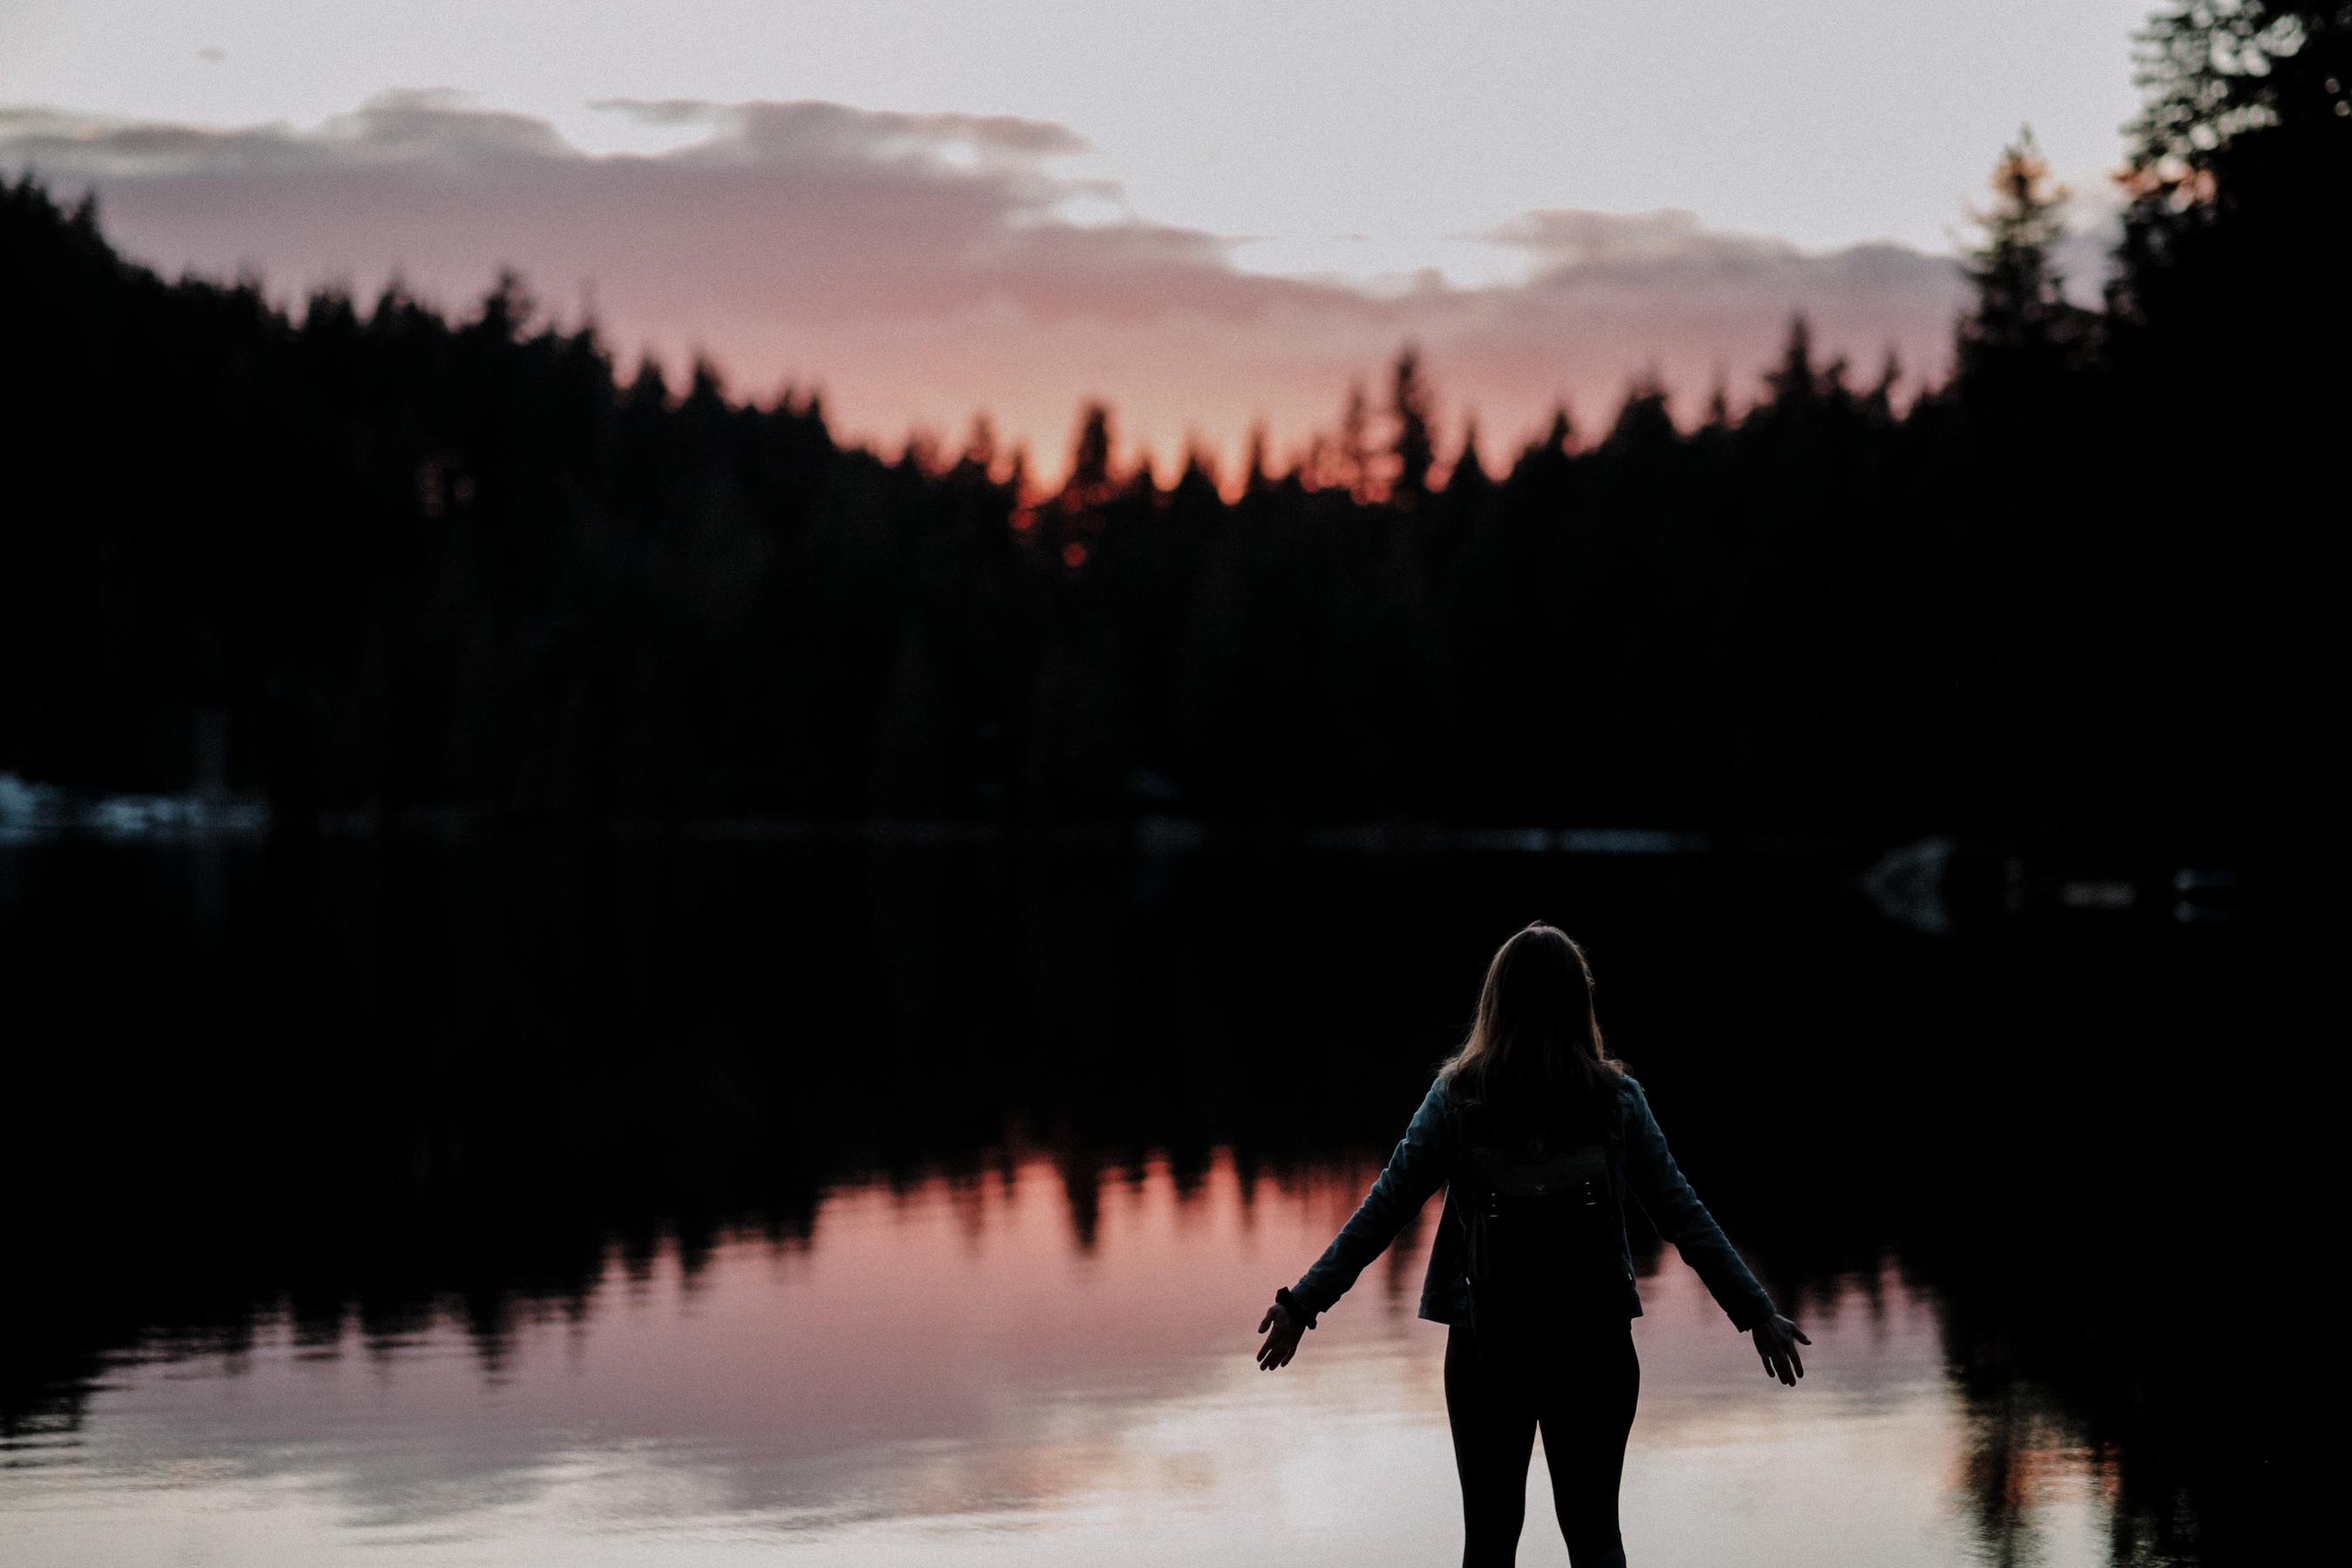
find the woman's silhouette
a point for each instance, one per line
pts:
(1539, 1136)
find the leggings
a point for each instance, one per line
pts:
(1584, 1401)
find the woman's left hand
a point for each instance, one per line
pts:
(1282, 1333)
(1777, 1340)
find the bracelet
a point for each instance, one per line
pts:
(1289, 1303)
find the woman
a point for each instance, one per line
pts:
(1538, 1136)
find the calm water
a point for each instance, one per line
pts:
(734, 1201)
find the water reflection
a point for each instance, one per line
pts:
(661, 1204)
(937, 1372)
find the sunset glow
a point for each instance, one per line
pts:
(894, 214)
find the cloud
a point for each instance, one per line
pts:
(921, 267)
(1567, 240)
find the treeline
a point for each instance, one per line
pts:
(375, 559)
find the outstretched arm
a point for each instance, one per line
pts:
(1417, 1167)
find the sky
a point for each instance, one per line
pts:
(1208, 213)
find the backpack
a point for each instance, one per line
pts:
(1540, 1245)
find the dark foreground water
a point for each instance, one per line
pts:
(722, 1201)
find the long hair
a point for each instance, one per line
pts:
(1534, 1062)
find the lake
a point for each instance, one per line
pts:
(747, 1197)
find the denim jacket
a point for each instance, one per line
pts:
(1638, 1162)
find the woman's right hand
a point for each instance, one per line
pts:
(1283, 1332)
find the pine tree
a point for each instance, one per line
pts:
(1796, 382)
(2020, 329)
(1718, 403)
(1259, 476)
(978, 461)
(1468, 476)
(2235, 183)
(1354, 454)
(1413, 451)
(1089, 484)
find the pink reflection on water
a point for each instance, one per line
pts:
(939, 1373)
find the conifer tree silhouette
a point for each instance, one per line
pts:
(1412, 450)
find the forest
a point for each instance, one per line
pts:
(364, 560)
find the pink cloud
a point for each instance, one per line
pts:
(920, 268)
